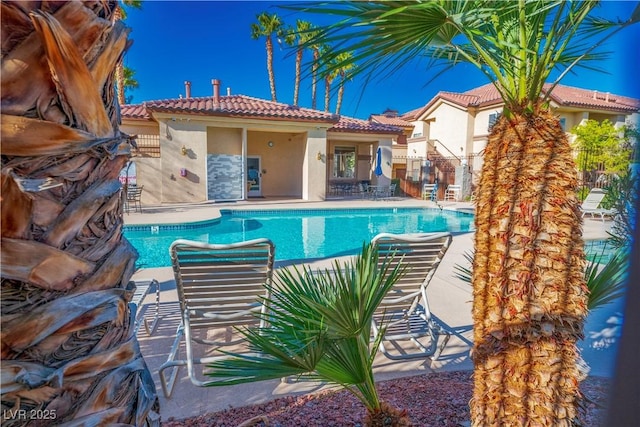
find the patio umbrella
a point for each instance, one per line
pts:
(378, 170)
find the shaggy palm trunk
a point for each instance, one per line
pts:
(296, 84)
(340, 93)
(69, 352)
(529, 295)
(387, 416)
(272, 77)
(327, 93)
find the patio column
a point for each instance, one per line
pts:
(314, 166)
(386, 163)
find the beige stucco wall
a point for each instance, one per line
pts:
(193, 136)
(148, 169)
(314, 170)
(281, 163)
(224, 141)
(450, 128)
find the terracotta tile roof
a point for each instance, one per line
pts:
(563, 95)
(245, 106)
(576, 97)
(239, 106)
(135, 111)
(387, 120)
(349, 124)
(412, 115)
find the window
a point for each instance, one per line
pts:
(493, 118)
(344, 162)
(563, 123)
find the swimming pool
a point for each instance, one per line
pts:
(297, 234)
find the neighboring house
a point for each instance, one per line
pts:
(232, 147)
(452, 128)
(399, 144)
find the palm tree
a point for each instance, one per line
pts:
(345, 66)
(529, 294)
(69, 352)
(308, 41)
(123, 75)
(267, 26)
(297, 37)
(320, 328)
(329, 73)
(129, 82)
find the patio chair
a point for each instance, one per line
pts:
(133, 200)
(452, 193)
(219, 288)
(405, 310)
(429, 191)
(390, 191)
(140, 289)
(591, 204)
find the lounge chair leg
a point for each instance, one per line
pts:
(169, 383)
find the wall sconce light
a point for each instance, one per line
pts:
(183, 150)
(319, 156)
(270, 143)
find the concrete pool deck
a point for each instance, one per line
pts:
(450, 300)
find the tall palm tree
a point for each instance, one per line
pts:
(345, 66)
(308, 41)
(123, 75)
(297, 37)
(529, 295)
(267, 26)
(329, 74)
(69, 352)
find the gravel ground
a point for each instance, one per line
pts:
(431, 400)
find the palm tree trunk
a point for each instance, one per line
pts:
(529, 295)
(119, 72)
(314, 79)
(340, 93)
(272, 78)
(296, 86)
(69, 354)
(327, 93)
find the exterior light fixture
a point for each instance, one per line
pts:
(183, 150)
(319, 156)
(270, 143)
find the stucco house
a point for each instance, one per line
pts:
(452, 128)
(232, 147)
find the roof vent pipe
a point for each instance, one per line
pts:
(216, 91)
(595, 94)
(187, 89)
(606, 97)
(228, 91)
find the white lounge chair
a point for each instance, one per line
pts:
(453, 193)
(429, 192)
(405, 310)
(591, 204)
(219, 288)
(142, 289)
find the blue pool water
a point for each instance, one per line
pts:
(297, 234)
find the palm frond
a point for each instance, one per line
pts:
(606, 284)
(515, 44)
(318, 326)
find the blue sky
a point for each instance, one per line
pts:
(174, 41)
